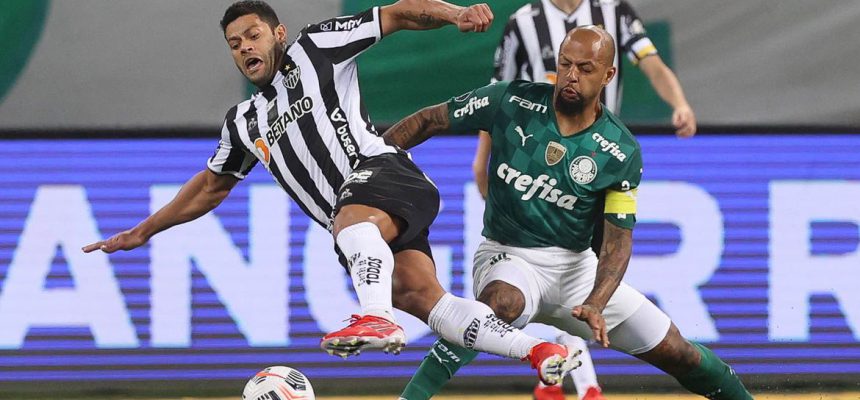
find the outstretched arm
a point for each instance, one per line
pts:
(614, 257)
(199, 195)
(416, 128)
(669, 88)
(432, 14)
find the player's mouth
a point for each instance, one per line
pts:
(570, 93)
(253, 64)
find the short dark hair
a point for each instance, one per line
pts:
(246, 7)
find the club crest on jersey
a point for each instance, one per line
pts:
(292, 78)
(262, 150)
(583, 170)
(554, 153)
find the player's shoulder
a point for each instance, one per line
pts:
(527, 10)
(239, 108)
(614, 130)
(528, 88)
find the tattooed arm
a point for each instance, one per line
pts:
(614, 256)
(416, 128)
(419, 15)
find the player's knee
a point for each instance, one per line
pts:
(506, 300)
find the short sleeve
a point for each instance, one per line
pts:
(634, 40)
(621, 196)
(475, 110)
(231, 158)
(344, 38)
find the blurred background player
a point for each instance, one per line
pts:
(306, 126)
(556, 151)
(528, 50)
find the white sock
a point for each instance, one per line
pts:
(371, 265)
(584, 377)
(473, 325)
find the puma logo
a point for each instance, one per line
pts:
(522, 134)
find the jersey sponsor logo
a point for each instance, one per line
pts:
(583, 170)
(473, 105)
(528, 105)
(347, 25)
(292, 78)
(262, 150)
(522, 134)
(326, 26)
(543, 186)
(554, 153)
(297, 110)
(609, 147)
(341, 127)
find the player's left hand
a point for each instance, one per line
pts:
(475, 18)
(594, 318)
(684, 121)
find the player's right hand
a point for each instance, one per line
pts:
(475, 18)
(594, 318)
(125, 240)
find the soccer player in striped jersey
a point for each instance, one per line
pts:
(308, 128)
(528, 50)
(556, 151)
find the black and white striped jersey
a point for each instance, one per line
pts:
(528, 50)
(308, 127)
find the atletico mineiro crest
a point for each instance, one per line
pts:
(554, 153)
(292, 78)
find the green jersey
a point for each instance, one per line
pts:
(544, 187)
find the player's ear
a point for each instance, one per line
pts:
(610, 73)
(281, 33)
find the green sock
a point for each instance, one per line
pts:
(438, 367)
(714, 379)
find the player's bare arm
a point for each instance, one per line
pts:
(432, 14)
(614, 257)
(416, 128)
(669, 88)
(201, 194)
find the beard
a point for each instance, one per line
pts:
(569, 107)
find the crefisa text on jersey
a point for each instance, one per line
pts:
(609, 147)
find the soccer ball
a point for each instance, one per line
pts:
(278, 383)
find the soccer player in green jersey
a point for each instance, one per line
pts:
(555, 151)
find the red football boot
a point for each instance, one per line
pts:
(365, 332)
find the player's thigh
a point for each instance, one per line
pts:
(642, 331)
(494, 264)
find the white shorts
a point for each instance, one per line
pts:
(553, 280)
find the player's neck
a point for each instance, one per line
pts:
(570, 124)
(567, 6)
